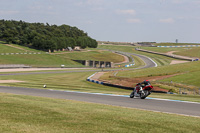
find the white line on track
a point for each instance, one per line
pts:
(159, 99)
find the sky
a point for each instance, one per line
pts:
(114, 20)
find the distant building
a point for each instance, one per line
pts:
(69, 48)
(77, 48)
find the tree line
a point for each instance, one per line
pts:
(44, 36)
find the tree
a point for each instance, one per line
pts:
(44, 37)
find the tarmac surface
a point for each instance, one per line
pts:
(157, 105)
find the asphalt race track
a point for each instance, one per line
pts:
(148, 62)
(175, 107)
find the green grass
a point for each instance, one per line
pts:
(62, 81)
(49, 60)
(193, 52)
(6, 49)
(186, 78)
(185, 68)
(129, 49)
(93, 55)
(13, 48)
(38, 60)
(34, 114)
(188, 72)
(53, 60)
(163, 50)
(189, 78)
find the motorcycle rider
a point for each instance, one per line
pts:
(144, 83)
(139, 89)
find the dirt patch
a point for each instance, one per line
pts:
(126, 59)
(177, 62)
(17, 47)
(11, 81)
(171, 52)
(131, 82)
(97, 75)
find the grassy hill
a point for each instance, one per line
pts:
(186, 75)
(11, 48)
(35, 114)
(51, 60)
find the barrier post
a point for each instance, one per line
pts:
(199, 91)
(179, 90)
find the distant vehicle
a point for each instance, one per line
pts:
(196, 60)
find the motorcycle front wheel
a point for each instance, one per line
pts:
(132, 95)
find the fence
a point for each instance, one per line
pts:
(14, 66)
(179, 46)
(19, 53)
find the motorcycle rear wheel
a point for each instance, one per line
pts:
(144, 94)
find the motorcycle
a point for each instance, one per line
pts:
(142, 93)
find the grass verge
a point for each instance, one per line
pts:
(34, 114)
(62, 81)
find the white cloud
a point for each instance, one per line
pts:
(167, 20)
(134, 20)
(127, 12)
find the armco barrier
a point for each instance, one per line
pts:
(168, 55)
(94, 81)
(118, 86)
(129, 65)
(179, 46)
